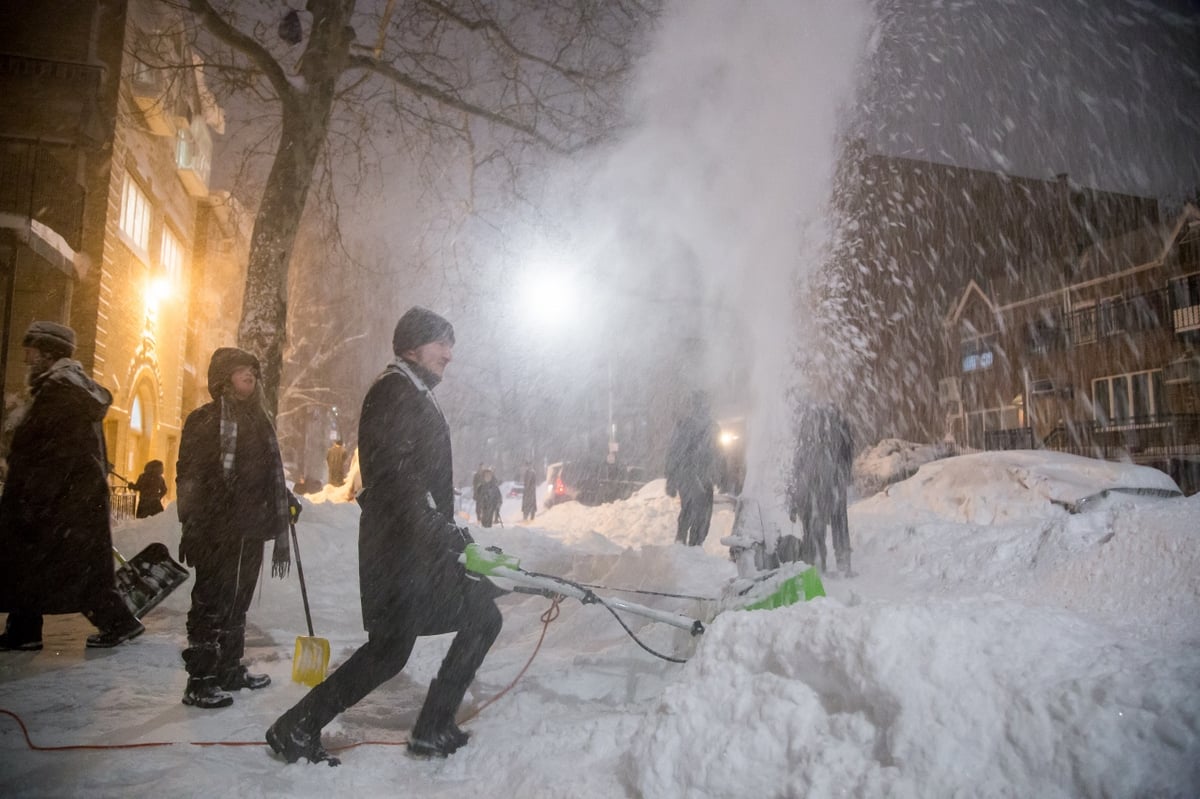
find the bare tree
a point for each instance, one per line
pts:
(504, 79)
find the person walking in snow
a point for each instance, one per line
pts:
(335, 461)
(529, 482)
(232, 499)
(151, 488)
(692, 469)
(819, 488)
(55, 532)
(409, 575)
(488, 499)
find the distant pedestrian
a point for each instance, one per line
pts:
(54, 514)
(488, 499)
(819, 488)
(151, 488)
(693, 464)
(232, 498)
(335, 461)
(529, 483)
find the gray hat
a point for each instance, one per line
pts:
(51, 338)
(419, 326)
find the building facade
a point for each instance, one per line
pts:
(1107, 365)
(917, 235)
(107, 222)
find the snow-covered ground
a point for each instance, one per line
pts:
(993, 644)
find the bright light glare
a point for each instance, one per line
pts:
(158, 290)
(547, 297)
(728, 438)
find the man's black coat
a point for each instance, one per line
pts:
(408, 544)
(54, 525)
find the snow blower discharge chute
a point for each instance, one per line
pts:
(770, 589)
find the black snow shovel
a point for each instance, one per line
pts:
(148, 578)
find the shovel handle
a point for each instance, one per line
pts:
(300, 573)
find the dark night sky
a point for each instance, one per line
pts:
(1105, 90)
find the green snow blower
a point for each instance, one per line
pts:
(771, 589)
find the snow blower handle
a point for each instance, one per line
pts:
(504, 570)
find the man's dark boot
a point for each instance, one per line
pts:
(239, 677)
(22, 633)
(205, 693)
(106, 639)
(435, 734)
(293, 737)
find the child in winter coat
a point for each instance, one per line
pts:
(151, 488)
(232, 498)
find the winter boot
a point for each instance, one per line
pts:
(22, 632)
(10, 643)
(239, 677)
(106, 639)
(435, 734)
(844, 564)
(293, 741)
(204, 693)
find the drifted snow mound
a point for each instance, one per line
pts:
(1016, 487)
(983, 698)
(648, 518)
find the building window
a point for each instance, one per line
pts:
(1109, 316)
(1128, 398)
(1185, 291)
(978, 353)
(1083, 324)
(135, 214)
(171, 257)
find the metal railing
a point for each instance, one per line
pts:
(1138, 437)
(122, 502)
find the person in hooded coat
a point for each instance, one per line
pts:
(488, 500)
(54, 515)
(232, 498)
(693, 464)
(151, 488)
(408, 547)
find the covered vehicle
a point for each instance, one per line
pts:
(591, 482)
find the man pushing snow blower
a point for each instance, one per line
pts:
(410, 578)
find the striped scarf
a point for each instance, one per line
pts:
(229, 430)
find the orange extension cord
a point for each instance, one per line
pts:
(548, 616)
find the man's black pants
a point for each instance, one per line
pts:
(695, 515)
(473, 613)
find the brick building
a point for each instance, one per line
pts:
(1107, 365)
(107, 222)
(920, 234)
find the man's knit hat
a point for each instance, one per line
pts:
(51, 338)
(420, 326)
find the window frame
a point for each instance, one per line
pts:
(136, 217)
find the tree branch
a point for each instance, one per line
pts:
(449, 100)
(246, 45)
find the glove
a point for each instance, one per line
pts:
(186, 551)
(459, 538)
(281, 556)
(294, 508)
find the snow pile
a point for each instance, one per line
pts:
(1020, 652)
(981, 698)
(892, 460)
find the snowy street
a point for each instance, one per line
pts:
(991, 645)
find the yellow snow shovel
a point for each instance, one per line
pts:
(311, 661)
